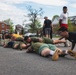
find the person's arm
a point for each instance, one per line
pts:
(60, 38)
(60, 19)
(73, 45)
(27, 45)
(52, 28)
(44, 24)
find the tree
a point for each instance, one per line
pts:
(55, 22)
(55, 17)
(70, 26)
(34, 16)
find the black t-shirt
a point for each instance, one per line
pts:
(47, 23)
(72, 37)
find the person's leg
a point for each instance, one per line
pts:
(45, 52)
(5, 45)
(46, 33)
(23, 46)
(19, 45)
(69, 52)
(55, 54)
(47, 49)
(51, 34)
(15, 46)
(57, 51)
(9, 44)
(72, 53)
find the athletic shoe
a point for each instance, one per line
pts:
(55, 57)
(65, 44)
(63, 54)
(72, 53)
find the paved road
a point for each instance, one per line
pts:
(15, 62)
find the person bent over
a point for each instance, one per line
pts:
(49, 49)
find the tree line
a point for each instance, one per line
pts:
(35, 25)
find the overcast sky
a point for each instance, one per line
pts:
(16, 9)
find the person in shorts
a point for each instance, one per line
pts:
(49, 49)
(28, 39)
(47, 27)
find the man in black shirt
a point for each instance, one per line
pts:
(47, 27)
(71, 36)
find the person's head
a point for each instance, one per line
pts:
(63, 32)
(65, 9)
(27, 39)
(45, 17)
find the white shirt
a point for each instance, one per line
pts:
(64, 18)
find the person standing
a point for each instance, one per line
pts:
(64, 18)
(47, 28)
(64, 21)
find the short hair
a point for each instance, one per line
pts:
(45, 17)
(63, 29)
(65, 7)
(26, 37)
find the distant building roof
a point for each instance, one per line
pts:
(4, 22)
(73, 19)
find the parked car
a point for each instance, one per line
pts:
(30, 34)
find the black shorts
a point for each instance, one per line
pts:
(10, 44)
(47, 31)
